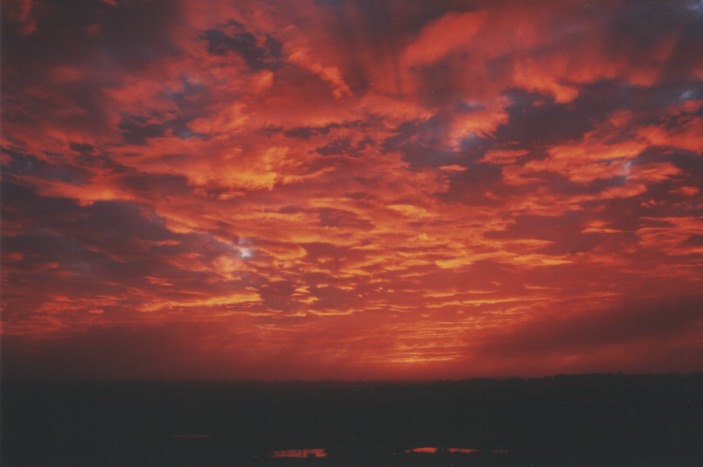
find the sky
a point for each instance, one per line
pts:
(351, 189)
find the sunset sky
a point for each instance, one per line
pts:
(351, 189)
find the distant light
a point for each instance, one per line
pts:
(244, 251)
(627, 169)
(300, 453)
(462, 450)
(459, 451)
(688, 94)
(423, 450)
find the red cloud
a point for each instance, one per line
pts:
(353, 190)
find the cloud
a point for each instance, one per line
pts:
(664, 326)
(233, 37)
(349, 188)
(21, 15)
(442, 36)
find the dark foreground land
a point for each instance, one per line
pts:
(592, 420)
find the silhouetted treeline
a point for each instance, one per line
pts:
(584, 420)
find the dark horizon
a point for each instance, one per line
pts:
(584, 420)
(30, 377)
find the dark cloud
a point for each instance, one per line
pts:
(155, 186)
(333, 298)
(442, 83)
(637, 29)
(660, 321)
(138, 129)
(277, 295)
(144, 352)
(131, 35)
(330, 217)
(340, 146)
(308, 132)
(565, 232)
(107, 248)
(423, 143)
(383, 27)
(333, 256)
(22, 164)
(259, 53)
(535, 120)
(477, 185)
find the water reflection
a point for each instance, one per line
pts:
(315, 453)
(426, 450)
(462, 450)
(438, 450)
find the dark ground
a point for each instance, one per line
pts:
(590, 420)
